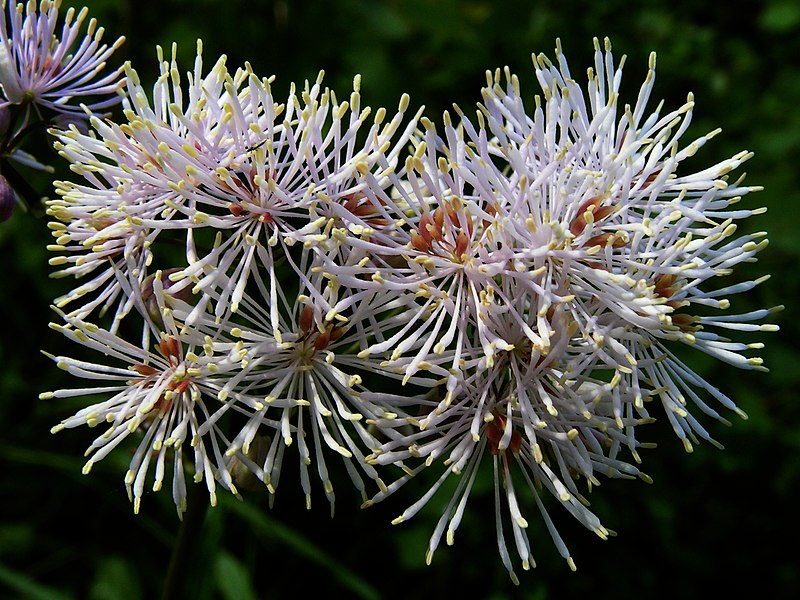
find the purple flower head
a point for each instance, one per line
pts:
(51, 69)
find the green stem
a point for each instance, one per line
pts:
(185, 543)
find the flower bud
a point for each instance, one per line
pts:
(148, 296)
(65, 120)
(242, 474)
(7, 199)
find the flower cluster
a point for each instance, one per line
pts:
(399, 295)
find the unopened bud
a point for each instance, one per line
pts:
(151, 304)
(65, 120)
(7, 199)
(242, 473)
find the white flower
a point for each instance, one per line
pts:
(514, 287)
(450, 239)
(555, 254)
(299, 354)
(294, 184)
(101, 236)
(559, 431)
(163, 394)
(640, 241)
(40, 66)
(107, 225)
(220, 154)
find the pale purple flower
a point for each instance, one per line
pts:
(627, 226)
(293, 184)
(106, 225)
(219, 153)
(300, 356)
(450, 239)
(162, 395)
(512, 288)
(560, 432)
(554, 254)
(51, 64)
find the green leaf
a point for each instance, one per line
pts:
(781, 17)
(232, 578)
(28, 588)
(115, 579)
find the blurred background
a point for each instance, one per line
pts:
(711, 520)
